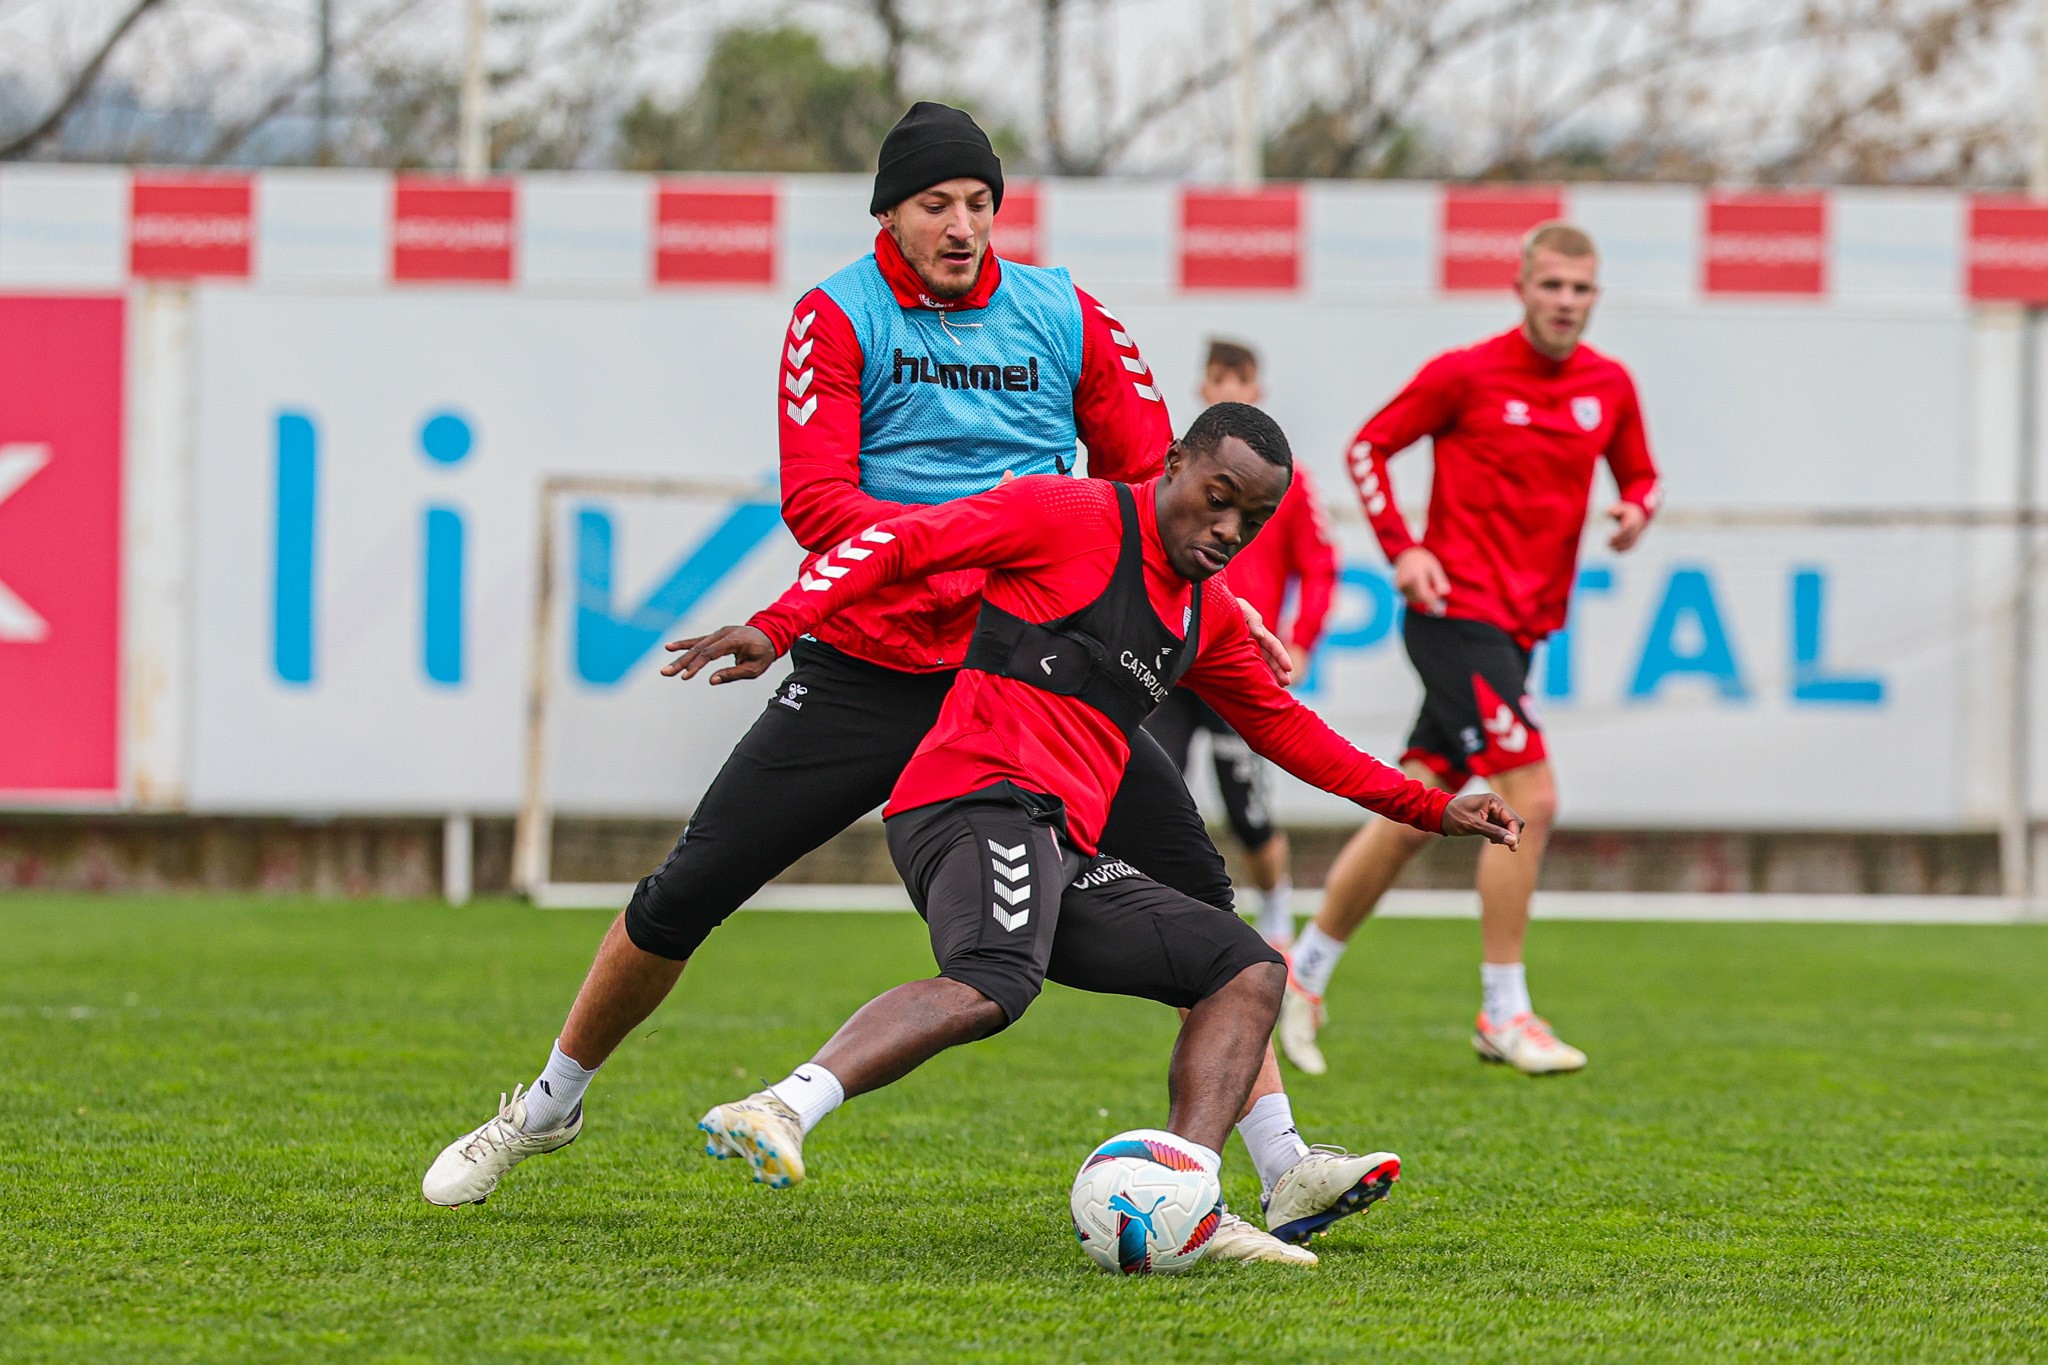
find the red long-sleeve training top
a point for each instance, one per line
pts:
(1294, 545)
(924, 626)
(1049, 546)
(1517, 435)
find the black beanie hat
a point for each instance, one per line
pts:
(930, 144)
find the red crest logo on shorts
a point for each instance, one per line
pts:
(1510, 741)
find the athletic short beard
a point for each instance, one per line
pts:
(949, 292)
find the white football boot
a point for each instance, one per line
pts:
(1237, 1240)
(762, 1130)
(1301, 1015)
(1525, 1043)
(470, 1167)
(1327, 1184)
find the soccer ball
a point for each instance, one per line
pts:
(1143, 1204)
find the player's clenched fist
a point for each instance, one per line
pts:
(1485, 814)
(1419, 576)
(750, 650)
(1629, 522)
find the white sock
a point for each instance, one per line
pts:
(1314, 956)
(1276, 913)
(1506, 989)
(1212, 1162)
(812, 1091)
(1270, 1136)
(556, 1091)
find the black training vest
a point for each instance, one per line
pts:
(1114, 653)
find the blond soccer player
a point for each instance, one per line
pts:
(1519, 422)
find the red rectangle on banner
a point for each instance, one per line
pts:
(1019, 231)
(60, 545)
(715, 234)
(2008, 250)
(1241, 239)
(1480, 247)
(1766, 244)
(187, 227)
(452, 230)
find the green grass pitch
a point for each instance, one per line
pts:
(1794, 1142)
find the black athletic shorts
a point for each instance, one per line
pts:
(1475, 705)
(1241, 775)
(1011, 905)
(826, 750)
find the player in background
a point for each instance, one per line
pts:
(1519, 421)
(1100, 597)
(1295, 548)
(924, 371)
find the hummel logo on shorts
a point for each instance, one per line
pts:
(1012, 868)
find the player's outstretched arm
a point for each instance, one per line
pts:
(750, 650)
(1229, 674)
(1484, 814)
(1010, 525)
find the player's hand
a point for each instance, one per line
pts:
(1484, 814)
(1276, 655)
(1630, 521)
(1298, 656)
(1419, 576)
(751, 653)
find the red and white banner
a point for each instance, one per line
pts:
(1480, 249)
(1019, 231)
(60, 545)
(2008, 251)
(1236, 239)
(1766, 244)
(189, 227)
(452, 230)
(89, 228)
(711, 234)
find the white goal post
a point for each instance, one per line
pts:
(533, 832)
(532, 856)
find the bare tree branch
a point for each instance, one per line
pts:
(1377, 113)
(1859, 90)
(80, 84)
(234, 135)
(1194, 83)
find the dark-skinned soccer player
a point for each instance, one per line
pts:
(1099, 599)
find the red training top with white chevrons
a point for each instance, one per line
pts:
(1295, 544)
(1517, 435)
(1049, 546)
(925, 626)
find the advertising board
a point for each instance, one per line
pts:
(60, 548)
(368, 469)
